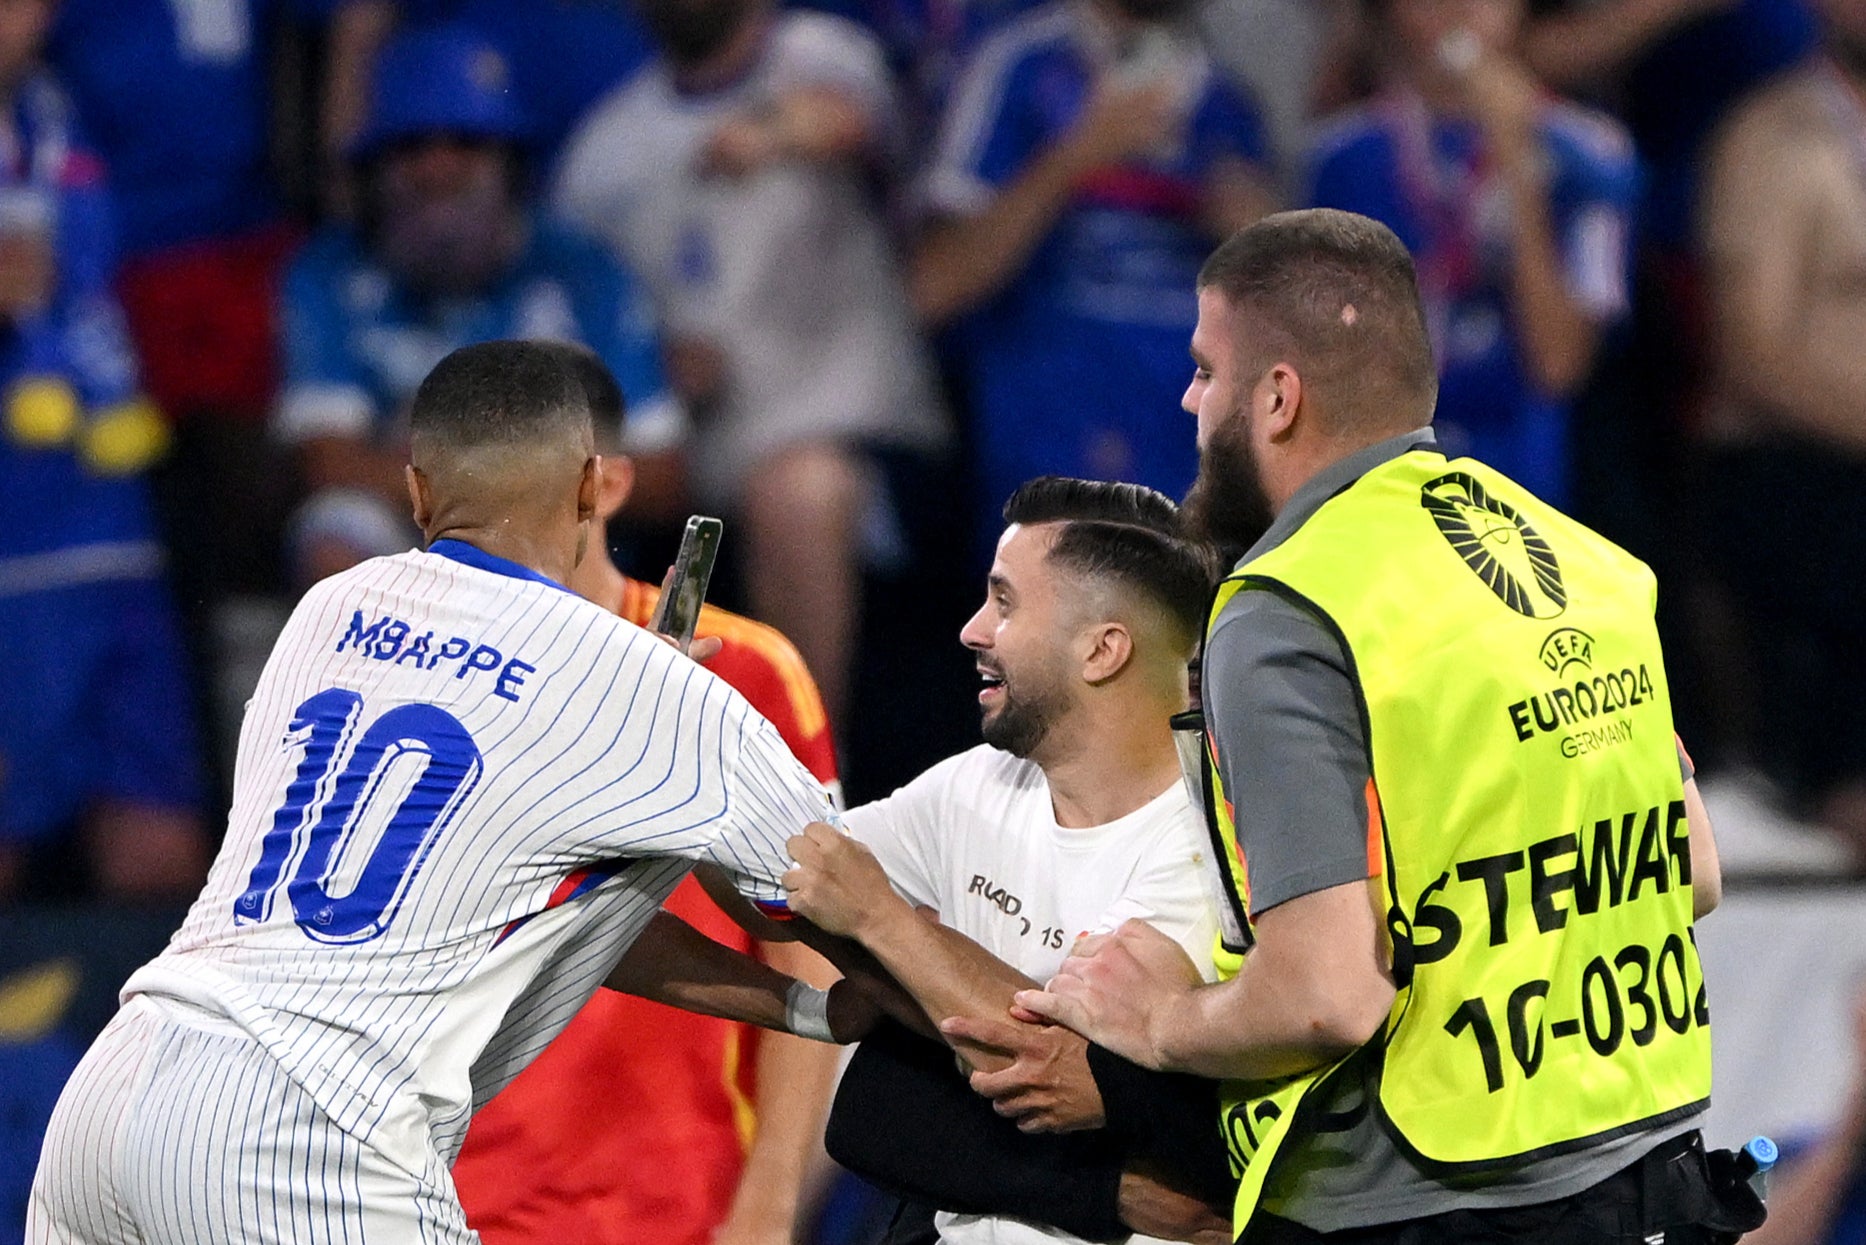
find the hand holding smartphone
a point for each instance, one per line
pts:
(677, 613)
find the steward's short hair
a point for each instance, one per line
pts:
(1337, 295)
(1126, 533)
(501, 393)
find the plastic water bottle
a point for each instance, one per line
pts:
(1753, 1162)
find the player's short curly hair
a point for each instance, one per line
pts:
(1126, 533)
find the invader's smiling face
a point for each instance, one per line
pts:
(1021, 636)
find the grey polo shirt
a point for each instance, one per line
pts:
(1281, 704)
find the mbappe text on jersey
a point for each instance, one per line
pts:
(391, 639)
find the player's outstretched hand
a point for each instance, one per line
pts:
(1048, 1087)
(837, 884)
(1115, 990)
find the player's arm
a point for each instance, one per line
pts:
(790, 1097)
(771, 798)
(848, 956)
(674, 963)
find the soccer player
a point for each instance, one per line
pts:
(462, 791)
(707, 1129)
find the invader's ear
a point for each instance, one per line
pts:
(1107, 649)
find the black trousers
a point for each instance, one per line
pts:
(1675, 1195)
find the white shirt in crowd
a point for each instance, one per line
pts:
(789, 270)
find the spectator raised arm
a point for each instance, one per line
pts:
(1089, 157)
(1518, 206)
(1578, 44)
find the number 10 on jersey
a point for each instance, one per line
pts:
(345, 783)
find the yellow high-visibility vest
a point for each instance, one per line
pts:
(1526, 791)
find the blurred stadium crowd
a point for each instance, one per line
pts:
(861, 267)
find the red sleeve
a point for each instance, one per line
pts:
(769, 672)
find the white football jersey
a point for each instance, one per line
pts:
(976, 839)
(461, 792)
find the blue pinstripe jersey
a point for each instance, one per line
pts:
(461, 792)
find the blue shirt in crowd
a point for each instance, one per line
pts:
(1077, 366)
(50, 500)
(176, 98)
(357, 345)
(1430, 180)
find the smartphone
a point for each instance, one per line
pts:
(677, 613)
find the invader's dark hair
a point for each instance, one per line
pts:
(500, 393)
(1336, 295)
(1124, 532)
(608, 408)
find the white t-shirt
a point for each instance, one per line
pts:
(461, 792)
(789, 271)
(976, 838)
